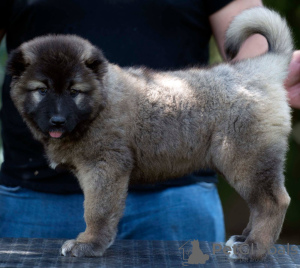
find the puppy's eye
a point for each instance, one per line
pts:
(74, 92)
(42, 90)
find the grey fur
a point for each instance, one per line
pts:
(152, 126)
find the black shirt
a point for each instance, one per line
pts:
(160, 34)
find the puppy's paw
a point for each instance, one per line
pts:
(243, 250)
(235, 238)
(79, 249)
(237, 251)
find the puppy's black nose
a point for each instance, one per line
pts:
(57, 120)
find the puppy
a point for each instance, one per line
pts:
(111, 125)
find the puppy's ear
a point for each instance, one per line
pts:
(16, 63)
(97, 62)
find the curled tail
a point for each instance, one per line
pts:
(262, 21)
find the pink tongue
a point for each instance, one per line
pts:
(55, 134)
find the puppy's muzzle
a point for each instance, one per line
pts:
(57, 120)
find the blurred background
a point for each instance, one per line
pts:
(235, 209)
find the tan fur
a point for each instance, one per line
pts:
(233, 118)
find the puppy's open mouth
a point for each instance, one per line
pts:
(56, 134)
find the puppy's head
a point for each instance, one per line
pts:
(57, 84)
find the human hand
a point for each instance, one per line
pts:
(292, 83)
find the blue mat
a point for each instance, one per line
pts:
(44, 253)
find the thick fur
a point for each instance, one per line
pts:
(136, 124)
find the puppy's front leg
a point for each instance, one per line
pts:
(105, 190)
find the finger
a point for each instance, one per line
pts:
(294, 71)
(294, 96)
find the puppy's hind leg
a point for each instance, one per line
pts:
(258, 178)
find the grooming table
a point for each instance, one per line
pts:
(44, 253)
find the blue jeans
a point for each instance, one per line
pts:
(175, 213)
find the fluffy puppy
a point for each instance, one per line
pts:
(111, 125)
